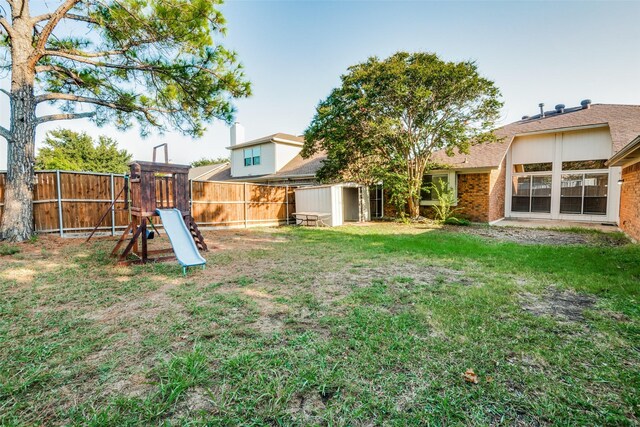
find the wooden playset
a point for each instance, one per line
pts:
(153, 186)
(157, 190)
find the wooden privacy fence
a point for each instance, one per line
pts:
(245, 204)
(75, 201)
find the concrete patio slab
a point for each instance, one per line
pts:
(544, 223)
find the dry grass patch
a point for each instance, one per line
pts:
(566, 305)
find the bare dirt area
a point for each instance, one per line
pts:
(564, 305)
(241, 238)
(534, 236)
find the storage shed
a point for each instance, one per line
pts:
(346, 202)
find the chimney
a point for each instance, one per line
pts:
(237, 134)
(541, 105)
(586, 104)
(560, 108)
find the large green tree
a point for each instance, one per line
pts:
(205, 161)
(153, 63)
(389, 116)
(65, 149)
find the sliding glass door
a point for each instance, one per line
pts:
(584, 193)
(531, 193)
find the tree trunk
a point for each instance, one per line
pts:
(414, 207)
(414, 185)
(17, 217)
(415, 171)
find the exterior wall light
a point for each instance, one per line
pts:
(620, 181)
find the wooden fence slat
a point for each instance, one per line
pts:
(86, 196)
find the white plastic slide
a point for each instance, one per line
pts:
(183, 245)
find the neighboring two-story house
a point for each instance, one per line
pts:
(273, 159)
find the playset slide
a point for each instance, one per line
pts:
(183, 245)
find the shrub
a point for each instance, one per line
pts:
(444, 209)
(8, 250)
(457, 221)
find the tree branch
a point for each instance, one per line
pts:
(76, 98)
(60, 70)
(72, 16)
(82, 18)
(81, 54)
(7, 26)
(83, 60)
(4, 132)
(101, 102)
(63, 116)
(6, 92)
(54, 19)
(123, 49)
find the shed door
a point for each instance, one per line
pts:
(363, 201)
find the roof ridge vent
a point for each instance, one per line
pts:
(560, 108)
(585, 103)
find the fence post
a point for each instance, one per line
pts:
(113, 207)
(191, 199)
(246, 207)
(382, 202)
(60, 224)
(286, 198)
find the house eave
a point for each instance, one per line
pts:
(289, 177)
(629, 155)
(459, 170)
(267, 140)
(563, 129)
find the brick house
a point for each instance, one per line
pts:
(554, 165)
(629, 159)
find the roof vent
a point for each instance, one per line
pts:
(541, 105)
(559, 108)
(525, 117)
(585, 103)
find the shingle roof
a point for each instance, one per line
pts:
(223, 174)
(269, 138)
(628, 155)
(299, 166)
(203, 172)
(623, 122)
(296, 168)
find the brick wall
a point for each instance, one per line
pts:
(480, 197)
(473, 196)
(630, 201)
(496, 194)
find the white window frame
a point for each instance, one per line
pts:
(516, 175)
(252, 151)
(453, 183)
(584, 172)
(259, 156)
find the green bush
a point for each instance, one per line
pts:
(457, 221)
(446, 197)
(8, 250)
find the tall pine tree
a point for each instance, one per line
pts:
(156, 63)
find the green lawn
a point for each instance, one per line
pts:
(370, 325)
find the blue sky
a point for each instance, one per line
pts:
(295, 51)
